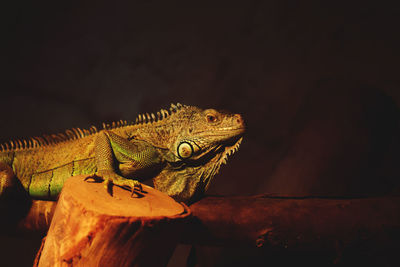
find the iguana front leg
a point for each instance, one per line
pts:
(133, 158)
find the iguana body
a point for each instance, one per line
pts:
(181, 149)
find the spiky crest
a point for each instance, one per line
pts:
(160, 115)
(114, 125)
(76, 133)
(38, 141)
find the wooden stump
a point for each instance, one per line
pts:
(91, 228)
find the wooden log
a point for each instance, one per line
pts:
(342, 229)
(91, 228)
(361, 228)
(286, 221)
(240, 220)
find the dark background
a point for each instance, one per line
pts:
(316, 81)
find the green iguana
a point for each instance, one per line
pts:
(181, 149)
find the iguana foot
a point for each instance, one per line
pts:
(128, 184)
(110, 178)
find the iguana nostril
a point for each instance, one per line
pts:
(239, 119)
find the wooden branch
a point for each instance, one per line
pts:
(298, 224)
(91, 228)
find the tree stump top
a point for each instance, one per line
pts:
(96, 198)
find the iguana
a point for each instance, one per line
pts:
(181, 149)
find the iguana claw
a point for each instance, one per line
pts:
(110, 178)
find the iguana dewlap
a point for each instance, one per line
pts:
(180, 149)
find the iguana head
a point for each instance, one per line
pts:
(198, 142)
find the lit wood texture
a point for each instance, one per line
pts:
(91, 228)
(38, 219)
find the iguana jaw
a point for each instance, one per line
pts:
(225, 141)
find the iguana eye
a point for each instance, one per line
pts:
(185, 150)
(211, 118)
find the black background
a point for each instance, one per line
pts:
(316, 81)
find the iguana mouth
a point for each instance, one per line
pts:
(227, 131)
(224, 147)
(226, 138)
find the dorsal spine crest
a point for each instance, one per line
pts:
(76, 133)
(159, 115)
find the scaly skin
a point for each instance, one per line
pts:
(180, 149)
